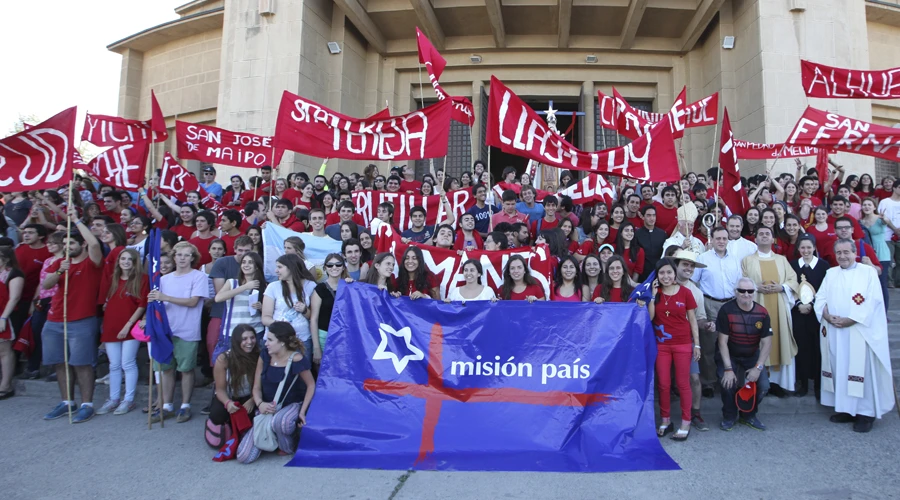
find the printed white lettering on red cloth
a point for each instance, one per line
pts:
(102, 130)
(592, 189)
(633, 123)
(463, 111)
(216, 145)
(840, 133)
(756, 151)
(825, 81)
(516, 128)
(175, 180)
(446, 265)
(122, 166)
(730, 190)
(366, 203)
(40, 157)
(310, 128)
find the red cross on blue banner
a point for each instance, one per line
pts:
(506, 386)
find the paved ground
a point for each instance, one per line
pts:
(802, 455)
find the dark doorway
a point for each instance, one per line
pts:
(500, 160)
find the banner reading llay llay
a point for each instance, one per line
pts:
(40, 157)
(840, 133)
(509, 386)
(309, 128)
(515, 128)
(217, 145)
(820, 80)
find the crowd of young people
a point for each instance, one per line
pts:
(216, 295)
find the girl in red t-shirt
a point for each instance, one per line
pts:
(630, 250)
(672, 312)
(518, 284)
(567, 286)
(568, 229)
(124, 305)
(592, 275)
(615, 286)
(414, 279)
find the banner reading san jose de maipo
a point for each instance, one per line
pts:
(505, 386)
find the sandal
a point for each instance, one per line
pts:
(664, 429)
(7, 394)
(681, 435)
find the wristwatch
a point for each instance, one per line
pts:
(759, 367)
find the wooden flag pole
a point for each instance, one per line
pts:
(712, 161)
(258, 179)
(66, 306)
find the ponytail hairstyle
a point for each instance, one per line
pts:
(284, 332)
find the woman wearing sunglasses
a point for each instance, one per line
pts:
(322, 301)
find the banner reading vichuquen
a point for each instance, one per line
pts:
(309, 128)
(367, 201)
(509, 386)
(102, 130)
(41, 157)
(463, 111)
(755, 151)
(820, 80)
(122, 166)
(217, 145)
(840, 133)
(515, 128)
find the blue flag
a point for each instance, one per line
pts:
(273, 247)
(157, 324)
(509, 386)
(644, 291)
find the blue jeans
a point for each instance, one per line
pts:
(740, 364)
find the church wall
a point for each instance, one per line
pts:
(884, 41)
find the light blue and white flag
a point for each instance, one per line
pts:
(273, 247)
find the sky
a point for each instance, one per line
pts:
(58, 50)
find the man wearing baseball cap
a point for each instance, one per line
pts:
(209, 182)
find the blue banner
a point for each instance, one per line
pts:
(157, 322)
(509, 386)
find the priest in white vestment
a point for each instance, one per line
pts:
(856, 361)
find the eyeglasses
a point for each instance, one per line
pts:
(333, 264)
(745, 291)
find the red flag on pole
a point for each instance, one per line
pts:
(40, 157)
(463, 111)
(121, 166)
(822, 166)
(428, 55)
(731, 191)
(157, 120)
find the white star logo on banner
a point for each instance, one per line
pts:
(399, 363)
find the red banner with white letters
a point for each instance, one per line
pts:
(633, 123)
(366, 203)
(463, 111)
(312, 129)
(755, 151)
(820, 80)
(446, 265)
(41, 157)
(102, 130)
(730, 190)
(217, 145)
(175, 180)
(840, 133)
(592, 189)
(515, 128)
(123, 166)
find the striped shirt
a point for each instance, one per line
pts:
(745, 329)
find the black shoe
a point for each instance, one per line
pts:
(7, 394)
(30, 375)
(802, 389)
(863, 424)
(842, 418)
(50, 378)
(777, 391)
(205, 410)
(708, 392)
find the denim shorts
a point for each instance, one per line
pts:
(82, 340)
(695, 367)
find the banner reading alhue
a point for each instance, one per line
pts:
(309, 128)
(515, 128)
(432, 386)
(820, 80)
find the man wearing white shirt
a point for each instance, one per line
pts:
(717, 281)
(890, 207)
(737, 244)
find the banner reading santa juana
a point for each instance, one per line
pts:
(515, 128)
(309, 128)
(509, 386)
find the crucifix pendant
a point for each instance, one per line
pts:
(667, 314)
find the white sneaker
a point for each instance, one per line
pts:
(108, 406)
(104, 380)
(125, 407)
